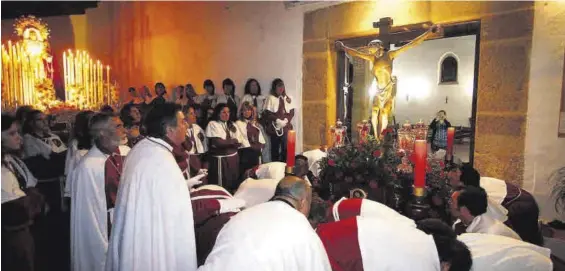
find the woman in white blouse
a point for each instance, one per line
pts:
(253, 139)
(224, 141)
(253, 95)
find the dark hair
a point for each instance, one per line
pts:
(159, 85)
(435, 226)
(187, 107)
(229, 82)
(107, 109)
(7, 121)
(209, 83)
(81, 130)
(125, 115)
(274, 84)
(131, 89)
(454, 252)
(469, 175)
(21, 113)
(474, 198)
(216, 115)
(247, 89)
(300, 156)
(442, 111)
(29, 121)
(318, 210)
(160, 117)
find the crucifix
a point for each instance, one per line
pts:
(381, 59)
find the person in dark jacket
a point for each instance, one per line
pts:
(438, 129)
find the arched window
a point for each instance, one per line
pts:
(448, 70)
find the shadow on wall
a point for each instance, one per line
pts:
(61, 38)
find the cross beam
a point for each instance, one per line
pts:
(389, 34)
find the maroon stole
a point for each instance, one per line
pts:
(342, 244)
(181, 156)
(112, 172)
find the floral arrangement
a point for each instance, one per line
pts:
(45, 95)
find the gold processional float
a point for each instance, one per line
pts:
(27, 73)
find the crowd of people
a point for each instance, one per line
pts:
(200, 182)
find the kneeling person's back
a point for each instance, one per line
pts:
(275, 235)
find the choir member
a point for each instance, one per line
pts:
(131, 117)
(21, 202)
(256, 191)
(207, 102)
(371, 243)
(224, 140)
(278, 114)
(252, 138)
(233, 101)
(95, 184)
(494, 252)
(523, 211)
(38, 139)
(275, 235)
(153, 225)
(470, 205)
(252, 94)
(160, 90)
(147, 99)
(136, 100)
(79, 145)
(347, 208)
(196, 143)
(212, 207)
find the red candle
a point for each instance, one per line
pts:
(450, 137)
(421, 157)
(290, 148)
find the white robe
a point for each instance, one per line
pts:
(345, 208)
(493, 252)
(153, 224)
(314, 158)
(89, 212)
(71, 161)
(18, 165)
(496, 189)
(256, 191)
(271, 236)
(10, 187)
(486, 224)
(272, 170)
(381, 245)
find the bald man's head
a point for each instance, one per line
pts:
(297, 190)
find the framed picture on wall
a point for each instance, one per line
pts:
(561, 129)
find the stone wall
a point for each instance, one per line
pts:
(504, 60)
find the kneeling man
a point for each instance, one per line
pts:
(275, 235)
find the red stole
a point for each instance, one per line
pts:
(347, 208)
(342, 244)
(112, 172)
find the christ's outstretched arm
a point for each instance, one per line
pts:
(415, 42)
(354, 52)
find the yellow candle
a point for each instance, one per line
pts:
(108, 79)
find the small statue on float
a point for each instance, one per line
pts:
(338, 134)
(421, 130)
(363, 130)
(406, 138)
(405, 167)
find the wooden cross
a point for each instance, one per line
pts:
(384, 25)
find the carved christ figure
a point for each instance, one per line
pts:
(381, 60)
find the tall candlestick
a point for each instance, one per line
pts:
(450, 137)
(290, 151)
(421, 155)
(108, 80)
